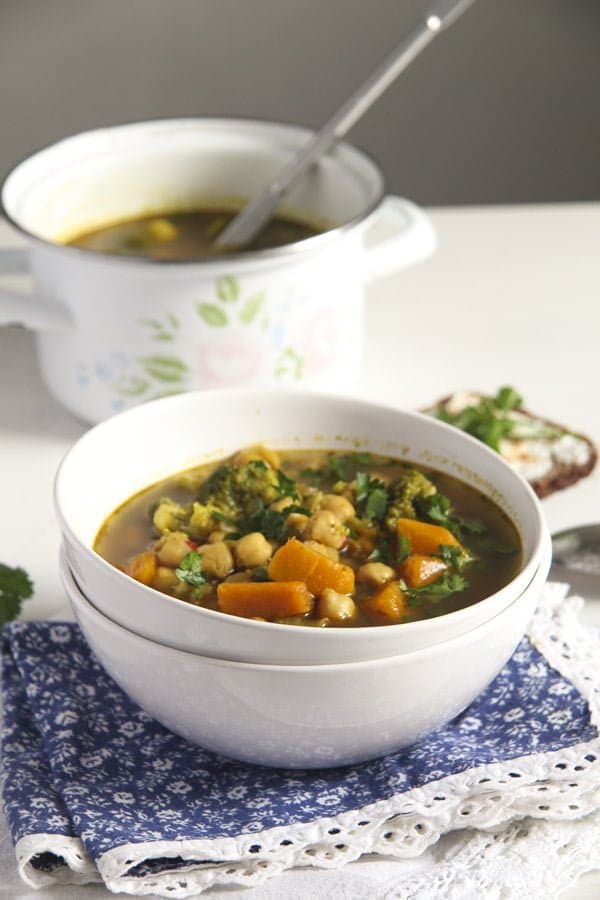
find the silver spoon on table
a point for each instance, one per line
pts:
(576, 559)
(246, 225)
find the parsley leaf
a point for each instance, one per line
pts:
(454, 557)
(449, 583)
(287, 486)
(190, 569)
(487, 419)
(15, 586)
(270, 522)
(385, 553)
(343, 467)
(371, 496)
(437, 509)
(508, 398)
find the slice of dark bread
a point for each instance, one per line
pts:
(548, 455)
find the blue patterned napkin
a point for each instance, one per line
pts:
(92, 783)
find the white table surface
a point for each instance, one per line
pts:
(511, 296)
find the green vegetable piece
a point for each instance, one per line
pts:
(190, 569)
(15, 586)
(438, 509)
(405, 492)
(449, 583)
(287, 485)
(508, 398)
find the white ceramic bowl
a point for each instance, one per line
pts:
(305, 716)
(121, 456)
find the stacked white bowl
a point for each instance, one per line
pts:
(274, 694)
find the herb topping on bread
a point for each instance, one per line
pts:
(549, 456)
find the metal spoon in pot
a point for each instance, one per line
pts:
(246, 225)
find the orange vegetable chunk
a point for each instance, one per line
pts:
(294, 561)
(425, 538)
(418, 570)
(143, 567)
(387, 606)
(264, 599)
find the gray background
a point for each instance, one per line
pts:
(502, 108)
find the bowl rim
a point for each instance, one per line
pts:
(336, 634)
(73, 591)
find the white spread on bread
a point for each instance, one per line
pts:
(535, 447)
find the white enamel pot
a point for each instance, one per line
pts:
(114, 331)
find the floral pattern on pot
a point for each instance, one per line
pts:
(232, 335)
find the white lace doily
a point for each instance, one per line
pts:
(528, 814)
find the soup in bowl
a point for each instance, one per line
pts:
(371, 530)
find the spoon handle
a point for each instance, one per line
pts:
(251, 219)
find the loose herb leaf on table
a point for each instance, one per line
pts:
(15, 586)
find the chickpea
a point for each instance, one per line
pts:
(280, 505)
(339, 506)
(375, 573)
(296, 523)
(332, 605)
(216, 536)
(172, 548)
(327, 529)
(248, 454)
(217, 561)
(252, 550)
(330, 552)
(165, 579)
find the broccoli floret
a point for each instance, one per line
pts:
(169, 515)
(230, 494)
(403, 492)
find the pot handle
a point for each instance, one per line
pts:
(21, 308)
(402, 235)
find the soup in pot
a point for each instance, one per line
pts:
(185, 235)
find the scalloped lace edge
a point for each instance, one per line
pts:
(558, 786)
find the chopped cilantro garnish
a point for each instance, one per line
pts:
(260, 573)
(271, 522)
(343, 467)
(449, 583)
(437, 509)
(371, 496)
(454, 557)
(384, 551)
(190, 569)
(15, 586)
(287, 486)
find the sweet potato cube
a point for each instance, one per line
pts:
(143, 567)
(388, 606)
(297, 562)
(418, 570)
(425, 538)
(264, 599)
